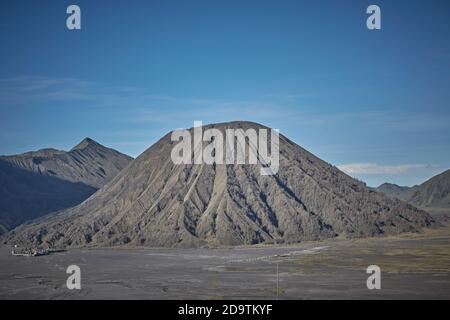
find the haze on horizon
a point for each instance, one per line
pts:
(374, 103)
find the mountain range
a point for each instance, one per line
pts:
(156, 203)
(35, 183)
(432, 195)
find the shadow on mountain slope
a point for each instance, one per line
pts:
(27, 195)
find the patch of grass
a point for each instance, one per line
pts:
(426, 252)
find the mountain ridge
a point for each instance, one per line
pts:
(73, 165)
(39, 182)
(433, 193)
(393, 190)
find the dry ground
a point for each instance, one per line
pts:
(413, 266)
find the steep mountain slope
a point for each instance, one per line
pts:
(36, 183)
(433, 193)
(154, 202)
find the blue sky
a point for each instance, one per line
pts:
(375, 103)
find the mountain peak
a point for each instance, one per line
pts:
(86, 142)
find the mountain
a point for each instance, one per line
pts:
(88, 162)
(35, 183)
(395, 191)
(432, 194)
(154, 202)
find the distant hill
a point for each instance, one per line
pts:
(154, 202)
(432, 194)
(35, 183)
(395, 191)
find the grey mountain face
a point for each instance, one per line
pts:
(88, 162)
(154, 202)
(36, 183)
(433, 193)
(395, 191)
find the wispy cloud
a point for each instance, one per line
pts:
(16, 90)
(145, 106)
(33, 90)
(376, 169)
